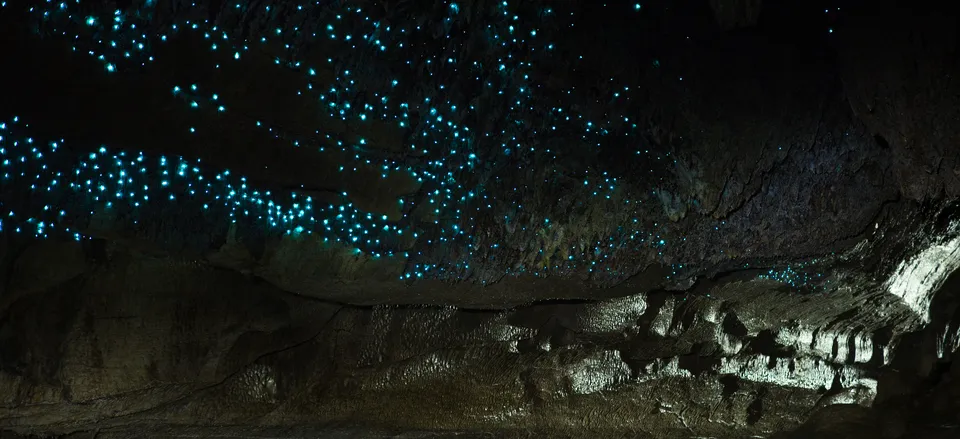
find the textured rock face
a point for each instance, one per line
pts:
(735, 151)
(153, 340)
(477, 221)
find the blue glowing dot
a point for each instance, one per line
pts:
(441, 136)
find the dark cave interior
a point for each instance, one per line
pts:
(478, 218)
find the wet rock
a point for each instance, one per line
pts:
(152, 340)
(766, 247)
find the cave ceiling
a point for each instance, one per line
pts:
(743, 199)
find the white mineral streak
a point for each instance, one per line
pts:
(948, 341)
(842, 346)
(799, 337)
(661, 323)
(863, 343)
(711, 312)
(663, 368)
(544, 345)
(917, 279)
(258, 384)
(499, 330)
(597, 372)
(862, 393)
(729, 344)
(614, 315)
(807, 373)
(821, 343)
(943, 344)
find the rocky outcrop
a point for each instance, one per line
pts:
(146, 339)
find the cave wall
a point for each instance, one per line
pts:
(758, 232)
(133, 339)
(722, 151)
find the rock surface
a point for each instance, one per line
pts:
(748, 229)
